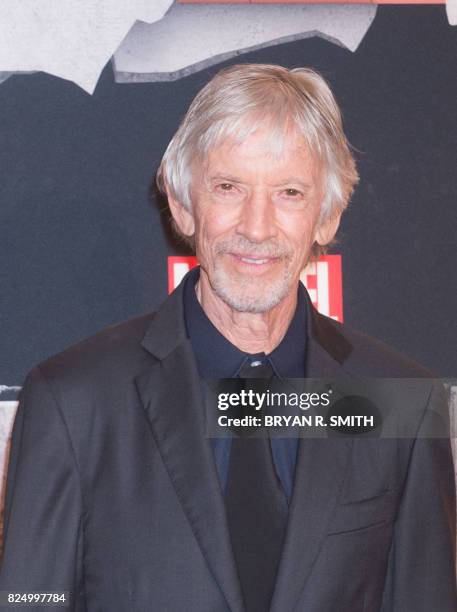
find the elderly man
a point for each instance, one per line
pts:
(116, 494)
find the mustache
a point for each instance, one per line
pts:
(240, 244)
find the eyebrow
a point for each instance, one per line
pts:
(224, 177)
(295, 181)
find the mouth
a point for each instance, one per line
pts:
(254, 260)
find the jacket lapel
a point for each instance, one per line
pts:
(319, 473)
(171, 394)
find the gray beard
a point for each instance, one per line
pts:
(253, 294)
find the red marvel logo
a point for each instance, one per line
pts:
(323, 279)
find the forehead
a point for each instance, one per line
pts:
(262, 152)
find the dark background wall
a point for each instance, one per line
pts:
(82, 245)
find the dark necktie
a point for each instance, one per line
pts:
(256, 506)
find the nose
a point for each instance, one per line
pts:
(257, 219)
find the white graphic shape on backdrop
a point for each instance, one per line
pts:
(7, 413)
(191, 37)
(321, 294)
(451, 10)
(71, 39)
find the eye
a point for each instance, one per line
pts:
(226, 189)
(292, 193)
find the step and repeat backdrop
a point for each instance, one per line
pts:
(90, 95)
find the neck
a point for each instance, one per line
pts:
(250, 332)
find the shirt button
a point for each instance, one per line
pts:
(255, 364)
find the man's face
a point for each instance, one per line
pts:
(255, 217)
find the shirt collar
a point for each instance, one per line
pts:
(217, 357)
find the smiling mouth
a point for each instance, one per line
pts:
(256, 261)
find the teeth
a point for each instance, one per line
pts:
(254, 261)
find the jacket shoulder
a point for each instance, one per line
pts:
(370, 356)
(113, 350)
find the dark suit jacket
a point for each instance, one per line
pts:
(113, 492)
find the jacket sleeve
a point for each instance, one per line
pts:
(421, 573)
(42, 545)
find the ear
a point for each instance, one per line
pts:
(182, 217)
(327, 229)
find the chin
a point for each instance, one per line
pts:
(251, 295)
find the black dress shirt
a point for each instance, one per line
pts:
(218, 358)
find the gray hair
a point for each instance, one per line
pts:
(241, 99)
